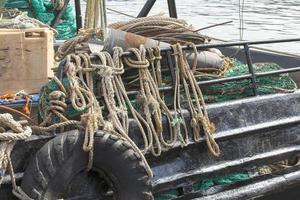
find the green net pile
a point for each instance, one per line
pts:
(43, 11)
(44, 102)
(205, 184)
(240, 89)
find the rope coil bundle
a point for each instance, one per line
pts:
(10, 132)
(166, 29)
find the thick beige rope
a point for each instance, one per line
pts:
(153, 106)
(115, 101)
(10, 132)
(166, 29)
(197, 106)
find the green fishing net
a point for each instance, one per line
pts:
(241, 89)
(205, 184)
(44, 100)
(43, 11)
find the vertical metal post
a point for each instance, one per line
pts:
(59, 14)
(251, 69)
(78, 15)
(104, 18)
(171, 67)
(146, 9)
(172, 8)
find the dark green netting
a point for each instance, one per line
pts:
(43, 11)
(205, 184)
(240, 89)
(44, 100)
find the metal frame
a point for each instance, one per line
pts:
(150, 3)
(78, 15)
(246, 44)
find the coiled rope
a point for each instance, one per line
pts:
(10, 132)
(166, 29)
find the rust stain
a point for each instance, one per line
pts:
(134, 40)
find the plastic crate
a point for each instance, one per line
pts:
(26, 59)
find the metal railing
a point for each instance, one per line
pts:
(246, 44)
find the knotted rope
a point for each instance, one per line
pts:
(152, 104)
(197, 106)
(109, 70)
(10, 132)
(69, 45)
(57, 108)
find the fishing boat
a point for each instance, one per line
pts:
(253, 153)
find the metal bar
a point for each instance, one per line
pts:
(230, 79)
(121, 13)
(227, 44)
(211, 26)
(172, 9)
(171, 67)
(78, 15)
(251, 69)
(230, 166)
(277, 184)
(146, 9)
(280, 71)
(59, 14)
(263, 184)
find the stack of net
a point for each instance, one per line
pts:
(43, 11)
(280, 83)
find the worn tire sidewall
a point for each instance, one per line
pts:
(107, 158)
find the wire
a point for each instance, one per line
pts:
(16, 112)
(121, 13)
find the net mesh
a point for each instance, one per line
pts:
(205, 184)
(241, 89)
(43, 11)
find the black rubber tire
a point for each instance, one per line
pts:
(54, 165)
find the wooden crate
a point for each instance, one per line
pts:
(26, 59)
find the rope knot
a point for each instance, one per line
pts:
(194, 122)
(105, 71)
(90, 122)
(140, 60)
(177, 121)
(57, 102)
(7, 120)
(152, 103)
